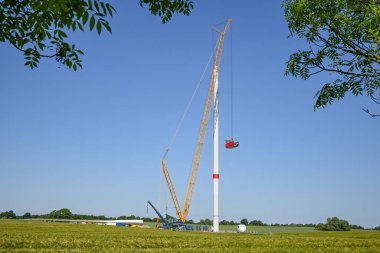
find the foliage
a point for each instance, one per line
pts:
(244, 221)
(166, 8)
(8, 215)
(40, 28)
(27, 216)
(292, 225)
(60, 237)
(63, 213)
(343, 38)
(356, 227)
(226, 222)
(376, 228)
(334, 224)
(205, 222)
(257, 223)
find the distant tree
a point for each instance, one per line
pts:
(343, 40)
(244, 221)
(334, 224)
(205, 222)
(233, 222)
(377, 228)
(356, 227)
(256, 223)
(8, 215)
(208, 222)
(190, 222)
(146, 219)
(63, 213)
(27, 216)
(224, 222)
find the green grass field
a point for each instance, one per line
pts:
(23, 236)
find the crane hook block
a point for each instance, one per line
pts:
(230, 144)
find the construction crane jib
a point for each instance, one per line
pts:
(211, 95)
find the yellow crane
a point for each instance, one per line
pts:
(202, 134)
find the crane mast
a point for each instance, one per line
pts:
(211, 95)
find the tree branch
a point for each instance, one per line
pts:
(371, 114)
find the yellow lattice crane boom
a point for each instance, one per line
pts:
(202, 134)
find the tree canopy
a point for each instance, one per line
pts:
(334, 224)
(244, 221)
(166, 8)
(343, 38)
(7, 215)
(257, 223)
(40, 29)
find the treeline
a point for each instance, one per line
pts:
(244, 221)
(332, 224)
(63, 213)
(336, 224)
(260, 223)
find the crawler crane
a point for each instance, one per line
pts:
(212, 99)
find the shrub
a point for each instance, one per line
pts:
(334, 224)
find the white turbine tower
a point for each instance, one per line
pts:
(216, 153)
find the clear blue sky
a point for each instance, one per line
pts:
(92, 140)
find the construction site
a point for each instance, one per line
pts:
(211, 108)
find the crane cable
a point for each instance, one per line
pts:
(189, 103)
(231, 81)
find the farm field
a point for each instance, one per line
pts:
(24, 236)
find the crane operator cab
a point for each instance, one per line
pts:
(230, 144)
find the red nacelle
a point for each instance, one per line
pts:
(231, 144)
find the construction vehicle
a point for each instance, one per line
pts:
(170, 222)
(212, 100)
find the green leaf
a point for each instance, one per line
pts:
(99, 27)
(92, 22)
(96, 5)
(109, 8)
(80, 26)
(85, 18)
(104, 8)
(107, 26)
(61, 34)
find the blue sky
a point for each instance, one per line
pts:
(92, 140)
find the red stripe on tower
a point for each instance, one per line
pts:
(215, 176)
